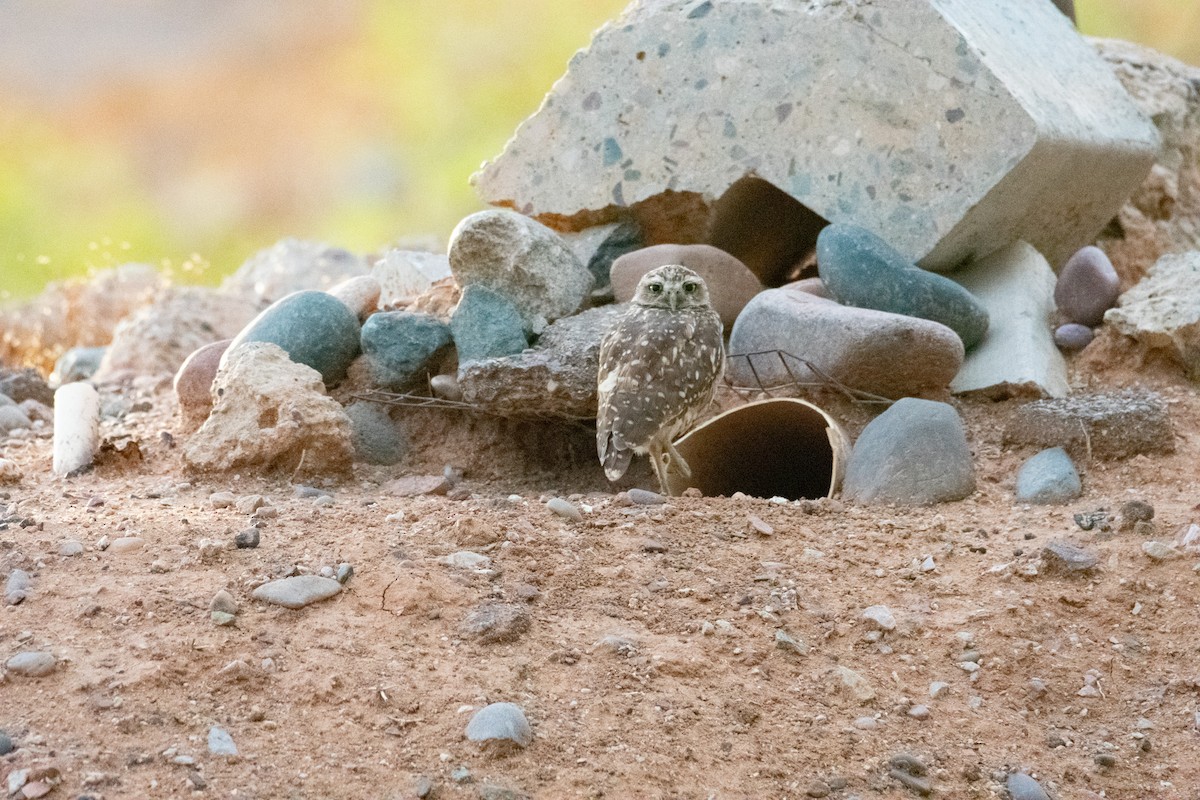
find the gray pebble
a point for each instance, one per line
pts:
(31, 664)
(488, 791)
(1048, 478)
(500, 722)
(938, 689)
(423, 787)
(344, 572)
(297, 592)
(223, 601)
(644, 497)
(565, 508)
(881, 616)
(496, 622)
(1062, 558)
(461, 775)
(1072, 336)
(222, 499)
(6, 744)
(220, 743)
(789, 643)
(247, 539)
(919, 712)
(1022, 787)
(16, 588)
(70, 548)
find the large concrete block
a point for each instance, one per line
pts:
(951, 128)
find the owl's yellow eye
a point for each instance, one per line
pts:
(656, 288)
(691, 288)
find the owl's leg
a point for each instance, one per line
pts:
(677, 463)
(660, 468)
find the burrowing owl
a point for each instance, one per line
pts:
(659, 367)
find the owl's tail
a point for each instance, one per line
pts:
(615, 460)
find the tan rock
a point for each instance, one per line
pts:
(270, 413)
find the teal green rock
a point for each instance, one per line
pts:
(486, 325)
(860, 269)
(313, 328)
(402, 345)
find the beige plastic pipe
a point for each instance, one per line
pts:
(782, 447)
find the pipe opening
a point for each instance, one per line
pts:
(771, 448)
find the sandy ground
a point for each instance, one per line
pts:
(649, 667)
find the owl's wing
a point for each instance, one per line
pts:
(614, 456)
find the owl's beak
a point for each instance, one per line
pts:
(675, 298)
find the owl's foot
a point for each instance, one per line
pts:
(658, 461)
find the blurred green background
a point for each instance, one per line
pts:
(190, 133)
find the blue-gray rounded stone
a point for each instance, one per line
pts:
(401, 345)
(860, 269)
(485, 324)
(1022, 787)
(313, 328)
(377, 438)
(915, 453)
(77, 364)
(1048, 478)
(500, 722)
(6, 744)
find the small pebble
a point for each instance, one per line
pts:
(866, 723)
(919, 712)
(344, 572)
(881, 616)
(565, 508)
(1022, 787)
(759, 526)
(222, 499)
(645, 497)
(222, 618)
(938, 689)
(785, 641)
(461, 775)
(423, 786)
(126, 544)
(298, 591)
(6, 744)
(500, 722)
(1160, 551)
(223, 601)
(653, 546)
(247, 539)
(70, 548)
(1072, 336)
(220, 743)
(248, 504)
(1105, 760)
(465, 559)
(31, 664)
(817, 789)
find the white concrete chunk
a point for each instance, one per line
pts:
(1018, 355)
(951, 128)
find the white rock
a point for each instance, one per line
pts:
(500, 721)
(465, 559)
(1017, 355)
(9, 471)
(404, 274)
(965, 133)
(881, 616)
(76, 426)
(359, 294)
(31, 664)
